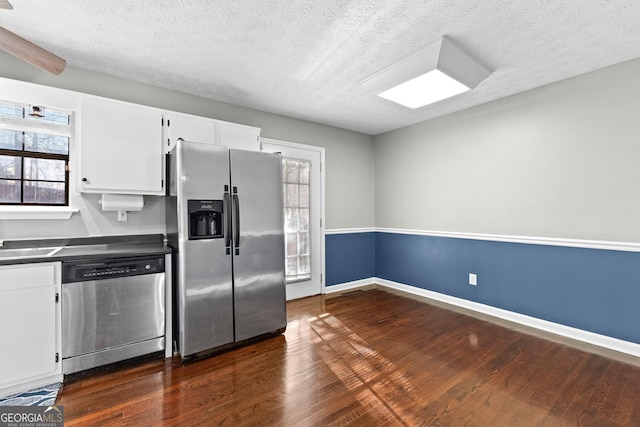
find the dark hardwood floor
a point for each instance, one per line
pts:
(370, 358)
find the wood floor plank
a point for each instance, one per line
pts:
(627, 409)
(368, 358)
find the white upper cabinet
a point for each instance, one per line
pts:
(189, 128)
(211, 131)
(238, 136)
(121, 148)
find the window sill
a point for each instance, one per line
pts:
(36, 212)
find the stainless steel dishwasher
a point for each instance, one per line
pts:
(112, 309)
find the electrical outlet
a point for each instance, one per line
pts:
(473, 279)
(122, 215)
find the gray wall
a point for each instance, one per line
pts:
(349, 165)
(560, 161)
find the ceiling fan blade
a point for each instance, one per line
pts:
(29, 52)
(4, 4)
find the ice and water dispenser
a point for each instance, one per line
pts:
(205, 219)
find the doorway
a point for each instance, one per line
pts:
(303, 199)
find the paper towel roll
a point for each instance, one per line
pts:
(122, 202)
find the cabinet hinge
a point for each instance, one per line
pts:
(57, 297)
(162, 121)
(321, 278)
(320, 222)
(57, 357)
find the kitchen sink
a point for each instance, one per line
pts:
(27, 253)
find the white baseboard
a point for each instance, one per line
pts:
(603, 341)
(543, 325)
(349, 285)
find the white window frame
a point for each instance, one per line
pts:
(39, 212)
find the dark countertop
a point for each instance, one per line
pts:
(84, 248)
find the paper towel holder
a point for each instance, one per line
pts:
(122, 203)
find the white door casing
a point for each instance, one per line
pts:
(315, 284)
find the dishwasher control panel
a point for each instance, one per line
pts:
(82, 271)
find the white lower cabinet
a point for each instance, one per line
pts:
(29, 326)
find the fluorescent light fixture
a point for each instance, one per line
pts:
(433, 73)
(426, 89)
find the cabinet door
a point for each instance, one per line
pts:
(120, 148)
(238, 136)
(189, 128)
(29, 325)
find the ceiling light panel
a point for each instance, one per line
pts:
(423, 90)
(435, 72)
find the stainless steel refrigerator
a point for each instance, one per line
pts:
(225, 225)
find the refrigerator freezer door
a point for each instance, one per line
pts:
(205, 289)
(258, 263)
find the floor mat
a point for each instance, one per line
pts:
(41, 396)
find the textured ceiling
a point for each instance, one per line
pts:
(304, 58)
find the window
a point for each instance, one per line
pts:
(297, 207)
(34, 156)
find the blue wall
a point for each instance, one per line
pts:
(591, 289)
(349, 257)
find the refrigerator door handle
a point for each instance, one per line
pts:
(236, 221)
(227, 222)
